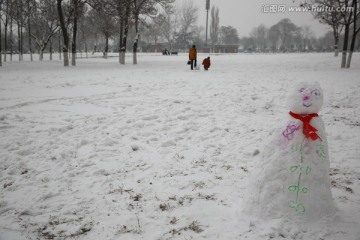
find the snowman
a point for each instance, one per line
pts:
(292, 178)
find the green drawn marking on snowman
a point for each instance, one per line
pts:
(294, 168)
(298, 207)
(297, 188)
(320, 151)
(294, 148)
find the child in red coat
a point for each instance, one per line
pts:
(206, 63)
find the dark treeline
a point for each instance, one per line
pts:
(81, 27)
(74, 26)
(291, 38)
(341, 16)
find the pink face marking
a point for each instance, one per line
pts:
(306, 97)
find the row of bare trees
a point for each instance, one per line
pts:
(176, 26)
(46, 21)
(283, 36)
(343, 16)
(110, 14)
(340, 15)
(73, 26)
(11, 14)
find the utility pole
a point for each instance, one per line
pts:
(207, 19)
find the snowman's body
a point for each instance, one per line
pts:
(293, 175)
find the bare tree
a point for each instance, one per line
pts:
(273, 38)
(45, 24)
(31, 7)
(122, 12)
(77, 10)
(259, 34)
(325, 42)
(1, 3)
(286, 29)
(157, 27)
(9, 13)
(11, 29)
(19, 18)
(137, 6)
(331, 18)
(214, 26)
(64, 33)
(356, 29)
(170, 25)
(249, 43)
(187, 21)
(8, 4)
(346, 20)
(85, 31)
(305, 33)
(124, 30)
(144, 7)
(229, 35)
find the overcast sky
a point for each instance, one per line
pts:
(246, 14)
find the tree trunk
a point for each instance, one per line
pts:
(41, 54)
(0, 36)
(5, 38)
(136, 41)
(30, 48)
(73, 59)
(65, 34)
(336, 40)
(353, 39)
(135, 48)
(123, 48)
(59, 45)
(120, 38)
(51, 49)
(95, 46)
(84, 39)
(345, 46)
(348, 63)
(19, 40)
(86, 50)
(29, 25)
(336, 47)
(11, 38)
(106, 50)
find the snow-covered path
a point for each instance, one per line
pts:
(156, 151)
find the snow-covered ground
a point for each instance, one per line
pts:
(156, 151)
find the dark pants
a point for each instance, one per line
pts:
(193, 64)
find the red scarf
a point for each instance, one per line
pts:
(308, 130)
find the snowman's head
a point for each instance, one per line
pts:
(307, 98)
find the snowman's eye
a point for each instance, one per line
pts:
(316, 93)
(302, 90)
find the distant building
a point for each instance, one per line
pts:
(155, 47)
(229, 48)
(160, 47)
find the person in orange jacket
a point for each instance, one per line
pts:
(193, 57)
(206, 62)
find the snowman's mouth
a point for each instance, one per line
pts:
(307, 104)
